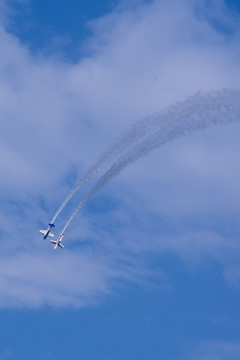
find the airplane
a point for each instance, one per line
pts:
(47, 232)
(58, 242)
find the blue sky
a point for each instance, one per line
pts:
(151, 265)
(56, 26)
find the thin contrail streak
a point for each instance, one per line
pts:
(201, 111)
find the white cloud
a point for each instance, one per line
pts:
(213, 350)
(56, 118)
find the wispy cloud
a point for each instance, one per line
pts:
(57, 117)
(213, 350)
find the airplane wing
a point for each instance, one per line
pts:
(54, 242)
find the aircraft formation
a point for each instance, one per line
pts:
(47, 233)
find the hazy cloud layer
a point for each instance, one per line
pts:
(213, 350)
(57, 117)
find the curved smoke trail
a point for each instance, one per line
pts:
(129, 137)
(203, 110)
(138, 130)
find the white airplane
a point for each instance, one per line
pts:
(47, 232)
(58, 242)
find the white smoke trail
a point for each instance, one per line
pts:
(203, 110)
(129, 137)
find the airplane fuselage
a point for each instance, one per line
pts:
(47, 232)
(58, 242)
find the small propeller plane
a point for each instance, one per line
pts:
(47, 232)
(58, 242)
